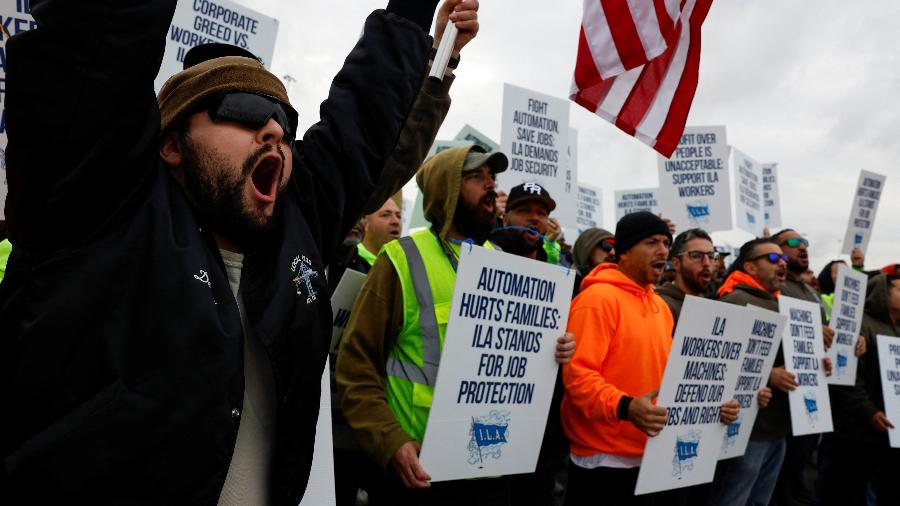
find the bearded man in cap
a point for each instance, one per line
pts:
(164, 342)
(525, 222)
(391, 350)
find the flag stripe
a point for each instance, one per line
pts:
(666, 15)
(585, 70)
(600, 40)
(624, 33)
(648, 28)
(619, 92)
(650, 101)
(651, 123)
(646, 90)
(671, 131)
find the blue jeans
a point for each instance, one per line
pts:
(749, 480)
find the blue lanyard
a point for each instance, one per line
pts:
(453, 261)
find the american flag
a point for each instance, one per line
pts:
(638, 63)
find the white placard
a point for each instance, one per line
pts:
(320, 489)
(700, 376)
(590, 208)
(16, 18)
(573, 228)
(342, 303)
(846, 319)
(497, 368)
(889, 363)
(470, 135)
(694, 187)
(203, 21)
(632, 201)
(765, 330)
(535, 135)
(862, 214)
(771, 197)
(803, 353)
(748, 194)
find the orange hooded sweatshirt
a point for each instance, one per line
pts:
(624, 333)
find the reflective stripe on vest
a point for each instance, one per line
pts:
(427, 279)
(428, 327)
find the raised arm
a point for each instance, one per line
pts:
(371, 138)
(82, 119)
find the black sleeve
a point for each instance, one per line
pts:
(82, 119)
(342, 156)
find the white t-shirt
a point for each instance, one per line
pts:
(249, 473)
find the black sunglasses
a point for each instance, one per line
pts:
(771, 257)
(607, 245)
(253, 111)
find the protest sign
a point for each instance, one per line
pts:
(590, 209)
(320, 490)
(469, 135)
(771, 198)
(15, 17)
(535, 135)
(203, 21)
(694, 185)
(862, 214)
(804, 350)
(632, 201)
(573, 229)
(439, 146)
(342, 303)
(748, 198)
(889, 363)
(700, 376)
(765, 331)
(846, 318)
(497, 367)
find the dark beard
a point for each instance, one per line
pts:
(473, 222)
(514, 242)
(217, 190)
(796, 268)
(694, 284)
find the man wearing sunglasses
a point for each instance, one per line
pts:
(791, 486)
(756, 278)
(165, 319)
(693, 257)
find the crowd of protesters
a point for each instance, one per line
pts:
(164, 343)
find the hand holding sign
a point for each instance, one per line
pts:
(646, 416)
(463, 14)
(880, 422)
(827, 336)
(565, 348)
(783, 380)
(860, 348)
(406, 463)
(764, 396)
(729, 412)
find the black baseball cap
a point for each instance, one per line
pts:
(524, 192)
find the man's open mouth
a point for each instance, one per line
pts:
(488, 204)
(266, 177)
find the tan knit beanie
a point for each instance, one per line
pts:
(186, 90)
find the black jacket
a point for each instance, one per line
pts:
(854, 406)
(121, 368)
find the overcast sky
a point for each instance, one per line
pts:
(812, 85)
